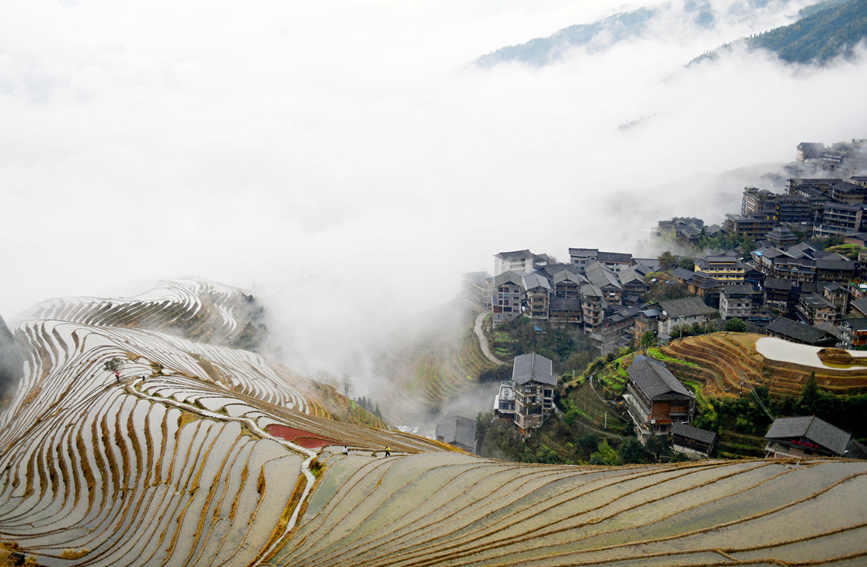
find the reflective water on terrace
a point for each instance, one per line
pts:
(805, 355)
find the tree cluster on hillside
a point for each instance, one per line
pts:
(11, 360)
(254, 333)
(818, 37)
(499, 373)
(369, 405)
(567, 350)
(723, 241)
(562, 441)
(744, 414)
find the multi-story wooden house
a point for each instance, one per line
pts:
(655, 398)
(507, 297)
(534, 383)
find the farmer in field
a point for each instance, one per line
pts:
(387, 451)
(345, 450)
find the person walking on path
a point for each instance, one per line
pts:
(387, 451)
(345, 450)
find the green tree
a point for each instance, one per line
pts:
(113, 365)
(605, 455)
(657, 446)
(630, 450)
(735, 325)
(667, 261)
(648, 339)
(810, 398)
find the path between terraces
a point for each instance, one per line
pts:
(483, 342)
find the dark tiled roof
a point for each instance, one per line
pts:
(601, 277)
(590, 290)
(683, 274)
(583, 251)
(457, 430)
(860, 305)
(796, 331)
(686, 307)
(514, 254)
(655, 380)
(778, 283)
(855, 323)
(824, 264)
(816, 430)
(739, 289)
(533, 367)
(618, 257)
(690, 432)
(532, 281)
(509, 277)
(562, 304)
(571, 276)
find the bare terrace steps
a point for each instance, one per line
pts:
(726, 361)
(727, 355)
(676, 512)
(178, 469)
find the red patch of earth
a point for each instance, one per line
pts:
(299, 437)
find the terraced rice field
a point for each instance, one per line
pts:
(427, 365)
(723, 358)
(206, 455)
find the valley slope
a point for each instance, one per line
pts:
(204, 454)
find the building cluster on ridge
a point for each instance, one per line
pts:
(784, 286)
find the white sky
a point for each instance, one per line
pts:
(345, 146)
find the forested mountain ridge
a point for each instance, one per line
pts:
(824, 31)
(818, 37)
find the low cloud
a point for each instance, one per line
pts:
(345, 159)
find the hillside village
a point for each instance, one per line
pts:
(795, 271)
(789, 265)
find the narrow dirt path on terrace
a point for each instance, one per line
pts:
(483, 342)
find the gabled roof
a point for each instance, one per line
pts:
(532, 281)
(631, 275)
(509, 277)
(796, 331)
(533, 367)
(560, 304)
(655, 380)
(855, 323)
(569, 276)
(802, 247)
(601, 277)
(553, 270)
(833, 264)
(778, 284)
(645, 266)
(514, 254)
(614, 257)
(683, 274)
(690, 432)
(816, 301)
(583, 252)
(739, 289)
(686, 307)
(457, 430)
(811, 427)
(590, 290)
(859, 305)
